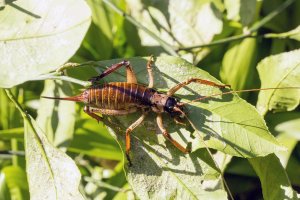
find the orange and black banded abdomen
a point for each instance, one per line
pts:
(119, 95)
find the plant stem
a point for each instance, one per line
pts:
(221, 41)
(165, 45)
(271, 15)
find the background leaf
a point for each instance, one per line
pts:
(15, 178)
(282, 70)
(179, 23)
(92, 138)
(242, 10)
(38, 36)
(238, 64)
(57, 117)
(274, 187)
(45, 162)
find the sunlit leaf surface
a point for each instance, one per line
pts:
(282, 70)
(51, 173)
(37, 36)
(179, 23)
(57, 117)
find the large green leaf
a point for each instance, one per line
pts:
(57, 118)
(51, 173)
(226, 123)
(282, 70)
(274, 181)
(37, 36)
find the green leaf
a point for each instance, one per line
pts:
(4, 192)
(290, 143)
(100, 29)
(15, 178)
(238, 64)
(292, 34)
(291, 127)
(281, 70)
(286, 126)
(51, 173)
(57, 118)
(242, 10)
(226, 123)
(37, 36)
(274, 181)
(93, 139)
(179, 23)
(13, 133)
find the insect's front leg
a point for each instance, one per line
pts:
(194, 80)
(168, 136)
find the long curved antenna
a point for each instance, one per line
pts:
(238, 91)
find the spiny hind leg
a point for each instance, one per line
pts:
(168, 136)
(174, 89)
(129, 72)
(91, 111)
(128, 131)
(150, 74)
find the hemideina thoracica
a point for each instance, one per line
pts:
(123, 98)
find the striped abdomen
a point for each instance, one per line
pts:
(119, 95)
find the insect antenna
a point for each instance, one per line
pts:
(237, 91)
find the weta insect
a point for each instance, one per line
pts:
(122, 98)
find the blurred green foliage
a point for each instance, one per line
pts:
(214, 35)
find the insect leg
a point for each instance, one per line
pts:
(168, 136)
(150, 74)
(111, 111)
(88, 111)
(129, 130)
(194, 80)
(129, 72)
